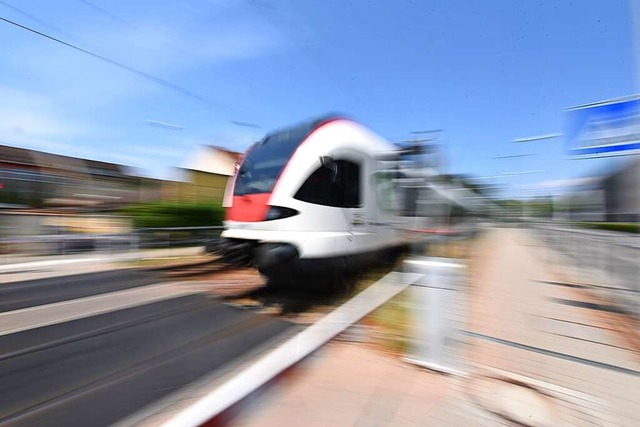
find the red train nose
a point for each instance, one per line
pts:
(248, 208)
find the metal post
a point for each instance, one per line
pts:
(434, 298)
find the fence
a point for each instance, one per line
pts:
(146, 238)
(175, 236)
(611, 259)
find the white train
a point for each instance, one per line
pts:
(317, 200)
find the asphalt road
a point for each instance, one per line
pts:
(98, 370)
(17, 295)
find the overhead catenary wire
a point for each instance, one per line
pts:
(36, 19)
(127, 23)
(158, 80)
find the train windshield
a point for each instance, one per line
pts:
(265, 161)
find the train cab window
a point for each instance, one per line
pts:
(265, 161)
(337, 186)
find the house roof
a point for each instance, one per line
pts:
(232, 154)
(213, 159)
(15, 155)
(34, 158)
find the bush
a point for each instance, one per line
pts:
(164, 214)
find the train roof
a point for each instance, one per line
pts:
(305, 128)
(333, 130)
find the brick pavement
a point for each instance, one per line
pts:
(348, 384)
(528, 322)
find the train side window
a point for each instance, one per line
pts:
(409, 204)
(386, 191)
(342, 191)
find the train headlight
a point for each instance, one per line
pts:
(277, 212)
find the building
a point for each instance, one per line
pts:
(205, 176)
(622, 193)
(45, 180)
(612, 196)
(39, 179)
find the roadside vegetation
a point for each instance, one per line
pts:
(627, 227)
(390, 325)
(169, 214)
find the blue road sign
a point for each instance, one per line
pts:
(609, 128)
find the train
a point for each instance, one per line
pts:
(318, 201)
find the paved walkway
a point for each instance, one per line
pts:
(540, 350)
(348, 384)
(531, 322)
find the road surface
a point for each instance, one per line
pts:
(30, 293)
(98, 369)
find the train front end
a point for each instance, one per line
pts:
(299, 204)
(264, 226)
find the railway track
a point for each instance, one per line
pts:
(244, 287)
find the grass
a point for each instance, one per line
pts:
(392, 322)
(455, 249)
(389, 322)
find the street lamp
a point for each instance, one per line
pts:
(535, 139)
(164, 125)
(246, 124)
(513, 156)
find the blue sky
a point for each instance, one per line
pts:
(485, 72)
